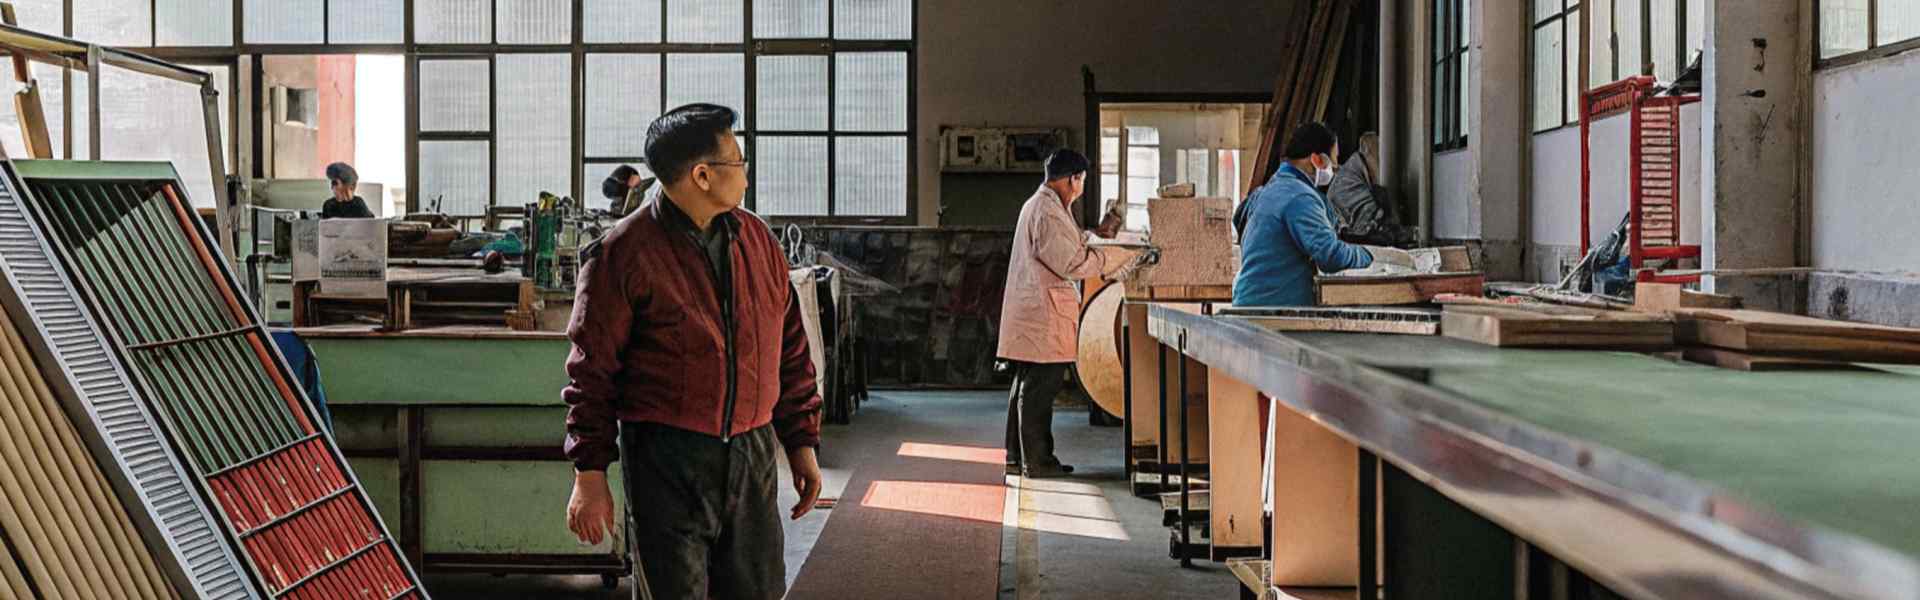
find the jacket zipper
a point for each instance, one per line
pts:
(729, 321)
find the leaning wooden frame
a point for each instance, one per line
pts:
(24, 45)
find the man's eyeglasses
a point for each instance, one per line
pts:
(742, 164)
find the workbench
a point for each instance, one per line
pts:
(456, 433)
(1480, 472)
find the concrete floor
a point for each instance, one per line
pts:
(1081, 537)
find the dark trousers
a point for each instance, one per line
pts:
(704, 514)
(1030, 413)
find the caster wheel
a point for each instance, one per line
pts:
(609, 582)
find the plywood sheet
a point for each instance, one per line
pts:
(1195, 239)
(1338, 290)
(1316, 504)
(1516, 327)
(1780, 333)
(1146, 383)
(1233, 410)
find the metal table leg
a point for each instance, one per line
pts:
(1186, 478)
(1126, 397)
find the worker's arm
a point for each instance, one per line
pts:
(1062, 247)
(601, 323)
(1308, 223)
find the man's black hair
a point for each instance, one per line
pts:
(1065, 162)
(686, 136)
(1311, 138)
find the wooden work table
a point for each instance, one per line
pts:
(1450, 470)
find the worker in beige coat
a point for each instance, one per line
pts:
(1039, 316)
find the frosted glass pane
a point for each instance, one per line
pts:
(285, 21)
(452, 21)
(791, 176)
(622, 21)
(1843, 27)
(789, 18)
(195, 22)
(873, 19)
(114, 22)
(871, 91)
(149, 118)
(366, 21)
(536, 21)
(870, 176)
(1601, 47)
(712, 78)
(1546, 77)
(1143, 162)
(623, 97)
(1442, 15)
(454, 173)
(1696, 28)
(1665, 25)
(1899, 21)
(793, 93)
(595, 172)
(1627, 21)
(44, 16)
(705, 21)
(1543, 9)
(1466, 104)
(51, 87)
(536, 127)
(453, 95)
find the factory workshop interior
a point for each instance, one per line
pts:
(745, 299)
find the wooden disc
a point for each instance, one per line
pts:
(1099, 354)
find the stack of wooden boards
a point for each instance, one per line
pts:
(426, 296)
(1312, 49)
(1686, 324)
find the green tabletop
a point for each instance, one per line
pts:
(1834, 448)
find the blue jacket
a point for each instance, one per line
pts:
(1289, 231)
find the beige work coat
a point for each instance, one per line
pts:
(1040, 313)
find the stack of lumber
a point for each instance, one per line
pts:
(1437, 272)
(1533, 325)
(427, 296)
(1310, 51)
(1778, 340)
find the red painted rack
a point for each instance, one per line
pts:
(1653, 172)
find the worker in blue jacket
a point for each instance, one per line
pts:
(1287, 232)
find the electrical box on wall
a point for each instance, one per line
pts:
(998, 149)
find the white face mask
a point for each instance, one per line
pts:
(1323, 176)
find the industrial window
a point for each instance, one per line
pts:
(1864, 29)
(1642, 37)
(1556, 63)
(1451, 60)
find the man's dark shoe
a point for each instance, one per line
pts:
(1049, 471)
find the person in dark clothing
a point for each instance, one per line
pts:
(344, 204)
(690, 363)
(625, 190)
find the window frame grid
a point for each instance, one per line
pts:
(750, 48)
(1874, 50)
(1444, 94)
(1559, 19)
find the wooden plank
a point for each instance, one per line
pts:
(1742, 361)
(27, 104)
(1291, 48)
(1807, 337)
(1181, 293)
(1146, 382)
(1519, 328)
(1330, 59)
(1233, 452)
(1668, 297)
(1409, 289)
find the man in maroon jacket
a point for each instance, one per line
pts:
(689, 363)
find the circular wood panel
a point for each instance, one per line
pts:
(1099, 354)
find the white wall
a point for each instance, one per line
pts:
(1866, 189)
(1455, 216)
(1017, 62)
(1556, 180)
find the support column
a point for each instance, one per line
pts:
(1751, 150)
(1497, 135)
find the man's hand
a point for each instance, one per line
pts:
(1113, 220)
(590, 510)
(806, 478)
